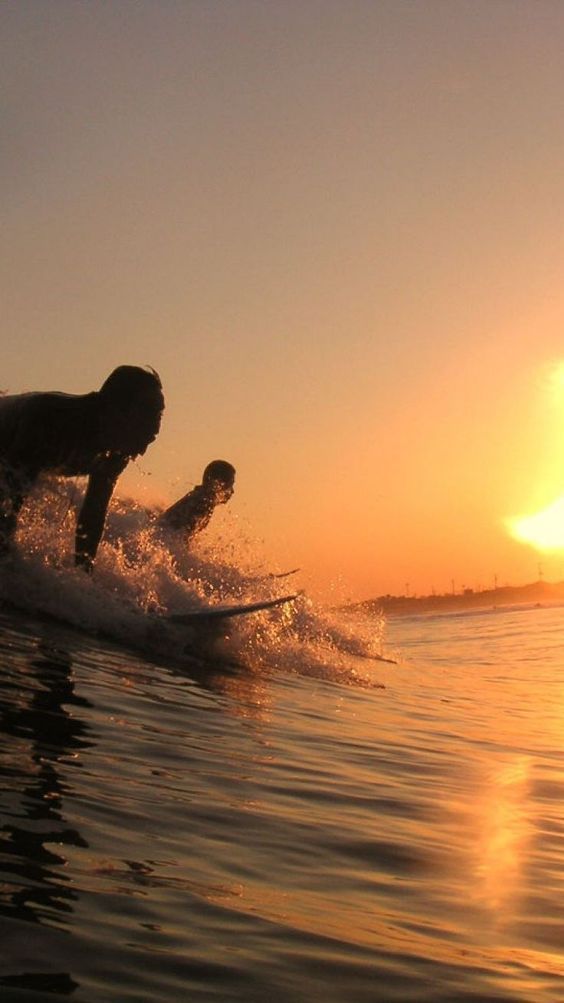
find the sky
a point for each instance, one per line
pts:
(335, 228)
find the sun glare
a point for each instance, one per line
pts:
(544, 531)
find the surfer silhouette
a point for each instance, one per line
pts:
(94, 434)
(192, 513)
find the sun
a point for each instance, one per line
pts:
(544, 530)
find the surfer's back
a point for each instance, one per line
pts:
(49, 431)
(94, 434)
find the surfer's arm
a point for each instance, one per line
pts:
(92, 515)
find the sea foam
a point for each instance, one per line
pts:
(144, 574)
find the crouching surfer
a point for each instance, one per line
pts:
(94, 434)
(192, 513)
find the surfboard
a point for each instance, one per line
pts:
(193, 616)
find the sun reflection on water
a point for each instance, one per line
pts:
(503, 836)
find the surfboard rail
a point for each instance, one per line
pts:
(226, 610)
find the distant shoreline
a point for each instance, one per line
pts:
(509, 595)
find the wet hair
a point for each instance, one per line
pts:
(132, 381)
(219, 470)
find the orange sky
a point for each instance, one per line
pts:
(335, 229)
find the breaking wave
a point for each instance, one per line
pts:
(143, 575)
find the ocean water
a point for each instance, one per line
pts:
(275, 815)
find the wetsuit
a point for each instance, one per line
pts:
(56, 433)
(191, 513)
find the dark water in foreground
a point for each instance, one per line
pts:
(266, 835)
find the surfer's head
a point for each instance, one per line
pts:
(219, 479)
(132, 403)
